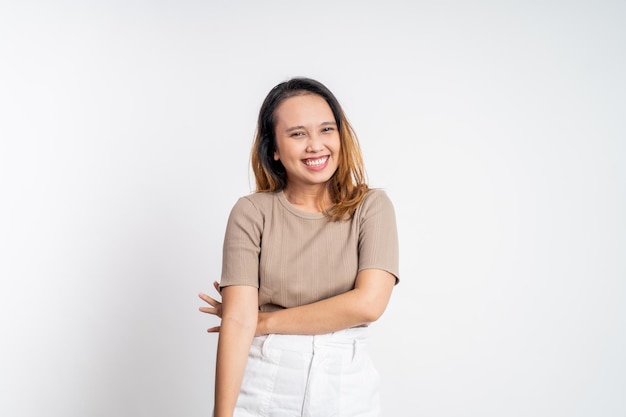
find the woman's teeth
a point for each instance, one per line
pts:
(316, 162)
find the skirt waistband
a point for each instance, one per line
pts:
(303, 343)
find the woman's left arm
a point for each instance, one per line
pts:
(360, 306)
(378, 254)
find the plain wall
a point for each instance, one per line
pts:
(497, 128)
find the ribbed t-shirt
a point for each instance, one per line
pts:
(295, 257)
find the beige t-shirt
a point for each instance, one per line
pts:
(295, 257)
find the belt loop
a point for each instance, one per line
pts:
(265, 346)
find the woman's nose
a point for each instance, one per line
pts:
(315, 144)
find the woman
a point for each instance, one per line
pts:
(309, 261)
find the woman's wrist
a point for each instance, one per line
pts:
(262, 327)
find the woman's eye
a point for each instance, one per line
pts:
(297, 134)
(328, 129)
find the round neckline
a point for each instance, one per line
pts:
(293, 209)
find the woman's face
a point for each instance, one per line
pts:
(307, 141)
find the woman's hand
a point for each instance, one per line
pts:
(215, 309)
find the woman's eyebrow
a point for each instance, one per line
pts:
(294, 128)
(290, 129)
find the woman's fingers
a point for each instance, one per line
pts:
(209, 300)
(215, 309)
(216, 306)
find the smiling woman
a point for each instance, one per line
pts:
(308, 146)
(347, 186)
(309, 261)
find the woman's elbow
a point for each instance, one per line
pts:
(372, 310)
(242, 321)
(373, 289)
(372, 315)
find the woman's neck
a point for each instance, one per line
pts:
(306, 199)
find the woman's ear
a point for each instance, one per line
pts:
(276, 156)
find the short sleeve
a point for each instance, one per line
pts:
(242, 245)
(378, 234)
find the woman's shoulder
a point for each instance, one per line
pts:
(376, 196)
(260, 201)
(252, 208)
(375, 200)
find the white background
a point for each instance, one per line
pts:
(497, 128)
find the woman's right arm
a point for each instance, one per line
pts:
(239, 321)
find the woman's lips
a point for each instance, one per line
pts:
(319, 162)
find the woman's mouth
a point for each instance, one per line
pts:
(316, 162)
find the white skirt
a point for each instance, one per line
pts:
(328, 375)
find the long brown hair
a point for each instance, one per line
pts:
(347, 187)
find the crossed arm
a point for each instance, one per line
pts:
(239, 317)
(241, 321)
(362, 305)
